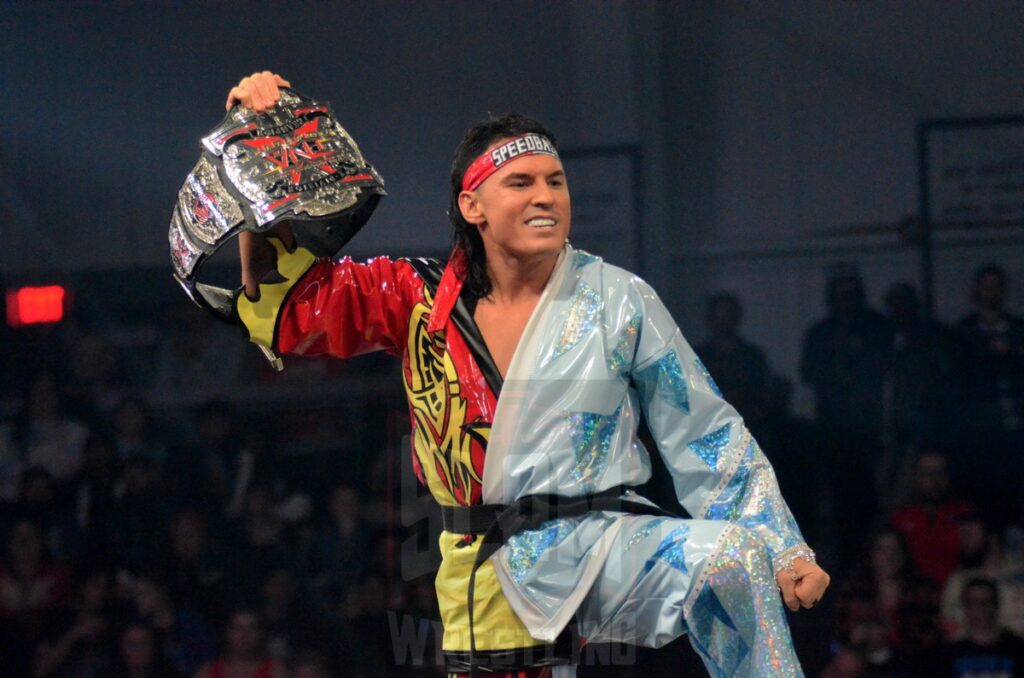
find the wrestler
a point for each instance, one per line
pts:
(527, 365)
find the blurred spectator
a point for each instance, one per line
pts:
(986, 649)
(133, 432)
(311, 665)
(924, 371)
(80, 644)
(93, 381)
(739, 368)
(244, 654)
(264, 542)
(137, 525)
(187, 640)
(195, 571)
(845, 358)
(337, 554)
(48, 437)
(209, 470)
(847, 663)
(930, 523)
(94, 499)
(11, 464)
(882, 584)
(198, 356)
(992, 414)
(140, 655)
(291, 625)
(33, 589)
(37, 500)
(982, 556)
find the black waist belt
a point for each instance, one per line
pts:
(498, 523)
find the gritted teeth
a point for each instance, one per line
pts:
(541, 221)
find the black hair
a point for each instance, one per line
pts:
(981, 583)
(465, 236)
(991, 269)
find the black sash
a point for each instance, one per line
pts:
(529, 513)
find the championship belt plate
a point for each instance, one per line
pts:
(294, 164)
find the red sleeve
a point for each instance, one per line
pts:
(343, 308)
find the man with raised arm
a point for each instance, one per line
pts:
(527, 365)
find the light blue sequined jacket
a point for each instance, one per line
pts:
(599, 350)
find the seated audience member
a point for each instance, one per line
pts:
(291, 625)
(137, 524)
(47, 436)
(186, 639)
(986, 648)
(31, 585)
(140, 654)
(882, 584)
(81, 636)
(38, 501)
(982, 555)
(196, 572)
(244, 653)
(930, 523)
(32, 589)
(134, 434)
(336, 556)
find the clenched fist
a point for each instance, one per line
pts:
(257, 92)
(807, 588)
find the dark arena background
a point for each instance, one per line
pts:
(829, 197)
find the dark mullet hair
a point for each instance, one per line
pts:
(465, 236)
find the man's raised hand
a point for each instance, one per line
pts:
(257, 92)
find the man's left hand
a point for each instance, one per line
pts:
(807, 588)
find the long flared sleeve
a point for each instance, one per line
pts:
(339, 308)
(719, 470)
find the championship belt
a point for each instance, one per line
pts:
(294, 163)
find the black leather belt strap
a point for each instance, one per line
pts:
(529, 513)
(476, 519)
(559, 653)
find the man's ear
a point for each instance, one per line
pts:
(472, 210)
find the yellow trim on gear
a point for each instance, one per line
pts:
(260, 317)
(495, 624)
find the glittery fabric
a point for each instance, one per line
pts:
(751, 498)
(621, 357)
(737, 623)
(643, 533)
(710, 447)
(591, 436)
(699, 364)
(665, 379)
(670, 550)
(524, 549)
(584, 313)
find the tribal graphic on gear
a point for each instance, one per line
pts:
(442, 438)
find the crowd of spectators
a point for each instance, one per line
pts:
(149, 530)
(908, 479)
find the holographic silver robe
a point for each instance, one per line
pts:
(599, 350)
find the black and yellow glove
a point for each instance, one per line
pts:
(260, 317)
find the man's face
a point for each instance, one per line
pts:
(979, 607)
(989, 293)
(522, 210)
(932, 477)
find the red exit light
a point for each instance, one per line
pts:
(35, 305)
